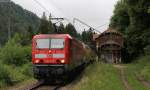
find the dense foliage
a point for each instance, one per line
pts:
(132, 17)
(46, 26)
(87, 38)
(15, 60)
(15, 52)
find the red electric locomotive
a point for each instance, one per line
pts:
(57, 54)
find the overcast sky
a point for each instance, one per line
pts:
(93, 12)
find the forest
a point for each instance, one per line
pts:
(131, 18)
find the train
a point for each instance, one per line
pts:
(55, 55)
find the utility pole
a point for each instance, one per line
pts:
(54, 24)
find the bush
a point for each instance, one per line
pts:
(144, 64)
(145, 72)
(27, 70)
(10, 75)
(14, 62)
(14, 53)
(16, 74)
(27, 52)
(5, 78)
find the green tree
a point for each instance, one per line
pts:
(87, 37)
(51, 26)
(30, 32)
(61, 29)
(18, 18)
(27, 37)
(79, 36)
(120, 19)
(70, 29)
(132, 19)
(44, 25)
(15, 54)
(84, 36)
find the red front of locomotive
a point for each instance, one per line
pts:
(50, 49)
(50, 54)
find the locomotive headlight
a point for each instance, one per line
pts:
(37, 61)
(62, 61)
(40, 55)
(58, 55)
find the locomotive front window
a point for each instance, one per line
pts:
(42, 43)
(50, 43)
(57, 43)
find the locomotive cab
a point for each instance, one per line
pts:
(49, 51)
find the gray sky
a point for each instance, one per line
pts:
(93, 12)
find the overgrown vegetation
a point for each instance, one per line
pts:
(15, 63)
(131, 18)
(100, 76)
(15, 52)
(142, 68)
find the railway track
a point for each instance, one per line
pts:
(41, 85)
(36, 85)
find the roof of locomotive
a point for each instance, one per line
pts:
(52, 36)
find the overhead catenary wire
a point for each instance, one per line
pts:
(93, 29)
(101, 25)
(64, 18)
(49, 11)
(42, 6)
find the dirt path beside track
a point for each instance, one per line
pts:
(123, 76)
(141, 79)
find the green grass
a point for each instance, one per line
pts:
(100, 77)
(142, 67)
(132, 80)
